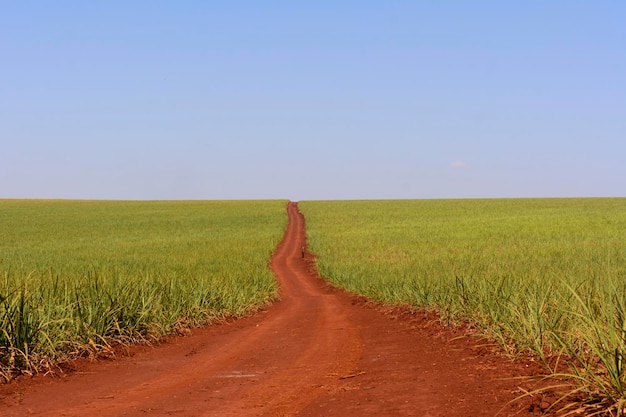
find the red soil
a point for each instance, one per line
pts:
(319, 351)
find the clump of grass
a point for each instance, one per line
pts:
(79, 276)
(597, 349)
(542, 276)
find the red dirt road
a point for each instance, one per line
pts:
(317, 352)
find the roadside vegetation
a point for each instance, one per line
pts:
(541, 276)
(77, 277)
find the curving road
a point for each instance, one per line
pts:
(317, 351)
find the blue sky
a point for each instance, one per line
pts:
(312, 100)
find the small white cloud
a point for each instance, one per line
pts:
(459, 165)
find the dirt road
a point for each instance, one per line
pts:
(316, 352)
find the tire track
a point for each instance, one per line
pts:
(316, 351)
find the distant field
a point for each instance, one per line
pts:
(77, 275)
(545, 275)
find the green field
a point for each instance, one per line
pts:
(76, 276)
(541, 276)
(546, 276)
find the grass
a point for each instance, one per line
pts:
(544, 276)
(77, 276)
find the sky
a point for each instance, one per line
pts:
(312, 100)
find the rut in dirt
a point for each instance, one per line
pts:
(317, 351)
